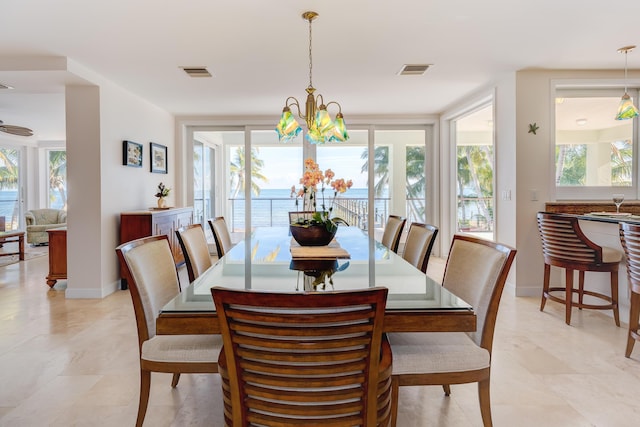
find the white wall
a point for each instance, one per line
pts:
(99, 118)
(534, 160)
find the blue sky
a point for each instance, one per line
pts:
(283, 165)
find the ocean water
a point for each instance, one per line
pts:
(272, 206)
(8, 203)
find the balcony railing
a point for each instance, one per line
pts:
(269, 212)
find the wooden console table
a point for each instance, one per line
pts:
(57, 255)
(152, 222)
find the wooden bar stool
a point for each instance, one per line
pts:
(564, 245)
(630, 239)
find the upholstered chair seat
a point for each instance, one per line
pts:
(437, 352)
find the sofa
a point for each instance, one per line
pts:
(38, 221)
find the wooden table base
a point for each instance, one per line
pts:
(8, 237)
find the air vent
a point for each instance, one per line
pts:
(3, 86)
(197, 71)
(413, 69)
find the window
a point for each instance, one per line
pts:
(594, 153)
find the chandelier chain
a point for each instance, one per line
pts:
(625, 70)
(310, 58)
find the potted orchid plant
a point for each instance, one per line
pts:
(316, 206)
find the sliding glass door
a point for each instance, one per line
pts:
(253, 164)
(474, 177)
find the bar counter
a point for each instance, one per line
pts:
(602, 229)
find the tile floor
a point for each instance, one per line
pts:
(74, 363)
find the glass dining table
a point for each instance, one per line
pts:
(268, 259)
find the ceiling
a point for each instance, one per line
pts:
(258, 51)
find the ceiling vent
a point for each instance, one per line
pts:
(3, 86)
(413, 69)
(197, 71)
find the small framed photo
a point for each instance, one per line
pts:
(158, 158)
(131, 154)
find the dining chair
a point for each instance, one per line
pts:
(195, 249)
(153, 281)
(564, 245)
(419, 244)
(221, 235)
(393, 231)
(630, 239)
(304, 358)
(476, 271)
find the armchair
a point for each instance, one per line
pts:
(38, 221)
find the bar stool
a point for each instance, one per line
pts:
(630, 239)
(564, 245)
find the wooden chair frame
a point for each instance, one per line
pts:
(417, 231)
(312, 358)
(145, 333)
(630, 239)
(195, 249)
(565, 245)
(483, 337)
(393, 232)
(221, 235)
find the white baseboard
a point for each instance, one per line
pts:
(92, 293)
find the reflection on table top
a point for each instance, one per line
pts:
(263, 262)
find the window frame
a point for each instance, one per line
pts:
(593, 192)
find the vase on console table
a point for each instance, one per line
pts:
(162, 203)
(312, 235)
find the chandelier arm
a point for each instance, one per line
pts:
(294, 103)
(336, 103)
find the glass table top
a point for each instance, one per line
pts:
(263, 261)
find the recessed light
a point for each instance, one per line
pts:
(581, 122)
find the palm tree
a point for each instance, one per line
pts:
(9, 163)
(478, 161)
(8, 169)
(58, 175)
(621, 162)
(237, 171)
(416, 180)
(415, 176)
(380, 167)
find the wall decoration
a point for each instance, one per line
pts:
(131, 154)
(533, 128)
(158, 158)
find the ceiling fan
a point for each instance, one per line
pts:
(15, 130)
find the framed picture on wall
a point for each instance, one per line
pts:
(158, 158)
(131, 154)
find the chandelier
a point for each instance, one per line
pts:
(320, 127)
(626, 109)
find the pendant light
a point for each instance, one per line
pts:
(626, 109)
(321, 128)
